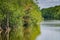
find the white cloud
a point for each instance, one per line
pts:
(52, 0)
(48, 3)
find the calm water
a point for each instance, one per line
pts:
(50, 30)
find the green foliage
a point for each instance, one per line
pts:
(16, 9)
(52, 13)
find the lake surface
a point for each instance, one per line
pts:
(50, 30)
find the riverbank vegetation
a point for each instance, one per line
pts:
(19, 20)
(51, 13)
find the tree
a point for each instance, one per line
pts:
(21, 19)
(51, 13)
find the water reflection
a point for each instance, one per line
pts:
(49, 32)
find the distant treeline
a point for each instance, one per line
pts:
(52, 13)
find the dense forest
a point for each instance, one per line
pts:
(51, 13)
(19, 20)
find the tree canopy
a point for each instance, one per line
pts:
(14, 13)
(52, 13)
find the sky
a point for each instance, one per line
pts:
(48, 3)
